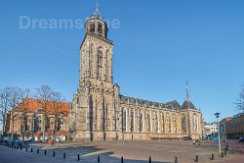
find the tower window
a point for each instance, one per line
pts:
(99, 29)
(100, 58)
(92, 28)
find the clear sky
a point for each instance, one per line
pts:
(159, 45)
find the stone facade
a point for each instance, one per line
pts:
(100, 112)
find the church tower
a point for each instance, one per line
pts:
(97, 98)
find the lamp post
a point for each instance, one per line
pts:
(217, 116)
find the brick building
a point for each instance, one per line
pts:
(27, 119)
(233, 127)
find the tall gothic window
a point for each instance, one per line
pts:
(183, 124)
(168, 123)
(148, 123)
(156, 122)
(106, 74)
(99, 63)
(195, 123)
(162, 121)
(140, 122)
(114, 115)
(107, 117)
(124, 120)
(174, 123)
(132, 121)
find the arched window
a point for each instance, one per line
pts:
(123, 120)
(195, 123)
(156, 122)
(148, 123)
(92, 27)
(132, 121)
(99, 63)
(168, 123)
(140, 122)
(106, 65)
(107, 117)
(174, 123)
(183, 124)
(162, 122)
(99, 29)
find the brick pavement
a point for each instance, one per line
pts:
(111, 152)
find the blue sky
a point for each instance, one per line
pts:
(160, 44)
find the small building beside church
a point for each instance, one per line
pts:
(26, 121)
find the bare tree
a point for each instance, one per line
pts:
(9, 99)
(57, 111)
(240, 101)
(47, 98)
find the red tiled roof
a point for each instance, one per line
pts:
(228, 118)
(52, 107)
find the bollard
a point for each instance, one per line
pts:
(122, 159)
(78, 157)
(45, 152)
(53, 153)
(64, 156)
(176, 160)
(31, 150)
(150, 160)
(26, 149)
(37, 151)
(98, 158)
(222, 154)
(212, 158)
(196, 159)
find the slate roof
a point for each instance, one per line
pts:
(188, 105)
(172, 105)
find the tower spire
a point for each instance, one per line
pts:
(187, 91)
(96, 13)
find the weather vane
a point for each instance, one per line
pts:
(187, 91)
(97, 6)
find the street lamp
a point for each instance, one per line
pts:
(217, 116)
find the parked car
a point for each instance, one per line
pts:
(1, 140)
(17, 143)
(241, 139)
(6, 141)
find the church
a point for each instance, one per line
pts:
(100, 113)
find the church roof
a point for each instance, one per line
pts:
(171, 105)
(174, 105)
(188, 105)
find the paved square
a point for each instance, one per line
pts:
(137, 151)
